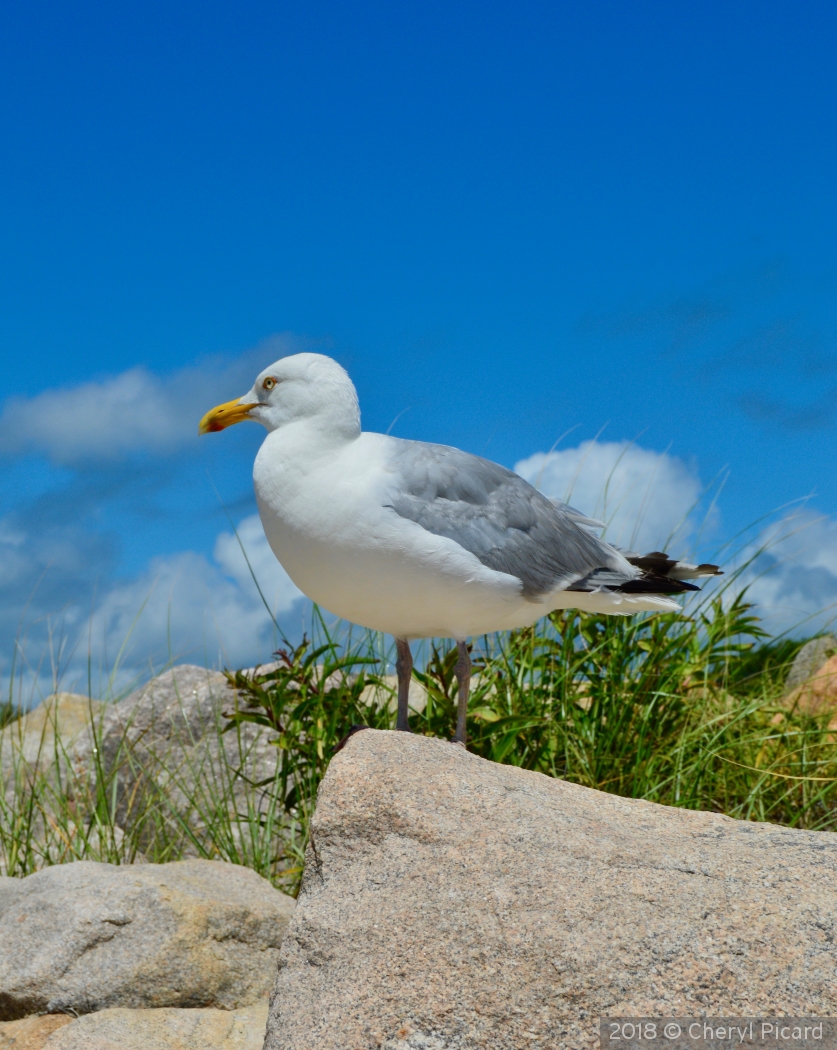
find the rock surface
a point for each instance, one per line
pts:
(818, 695)
(32, 749)
(449, 902)
(82, 937)
(163, 757)
(163, 743)
(809, 660)
(166, 1029)
(30, 1033)
(417, 696)
(33, 735)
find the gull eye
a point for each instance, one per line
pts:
(269, 383)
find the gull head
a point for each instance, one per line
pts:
(301, 387)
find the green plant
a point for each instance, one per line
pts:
(649, 707)
(310, 700)
(128, 801)
(684, 709)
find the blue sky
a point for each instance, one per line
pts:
(506, 220)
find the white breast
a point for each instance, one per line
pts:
(323, 509)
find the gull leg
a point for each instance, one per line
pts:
(404, 670)
(463, 679)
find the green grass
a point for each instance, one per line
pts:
(127, 803)
(683, 709)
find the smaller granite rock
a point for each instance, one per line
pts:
(818, 695)
(30, 1033)
(167, 1029)
(87, 936)
(809, 660)
(417, 695)
(165, 739)
(66, 716)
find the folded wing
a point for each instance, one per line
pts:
(512, 528)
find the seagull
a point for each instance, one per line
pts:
(420, 540)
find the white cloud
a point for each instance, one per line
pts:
(55, 564)
(183, 607)
(792, 577)
(135, 411)
(188, 607)
(277, 587)
(100, 420)
(645, 497)
(648, 499)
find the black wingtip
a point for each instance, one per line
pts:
(655, 562)
(655, 585)
(658, 564)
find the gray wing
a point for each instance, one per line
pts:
(497, 516)
(577, 516)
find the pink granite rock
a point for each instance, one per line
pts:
(452, 904)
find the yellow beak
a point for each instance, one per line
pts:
(225, 415)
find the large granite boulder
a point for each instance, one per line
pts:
(86, 936)
(449, 902)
